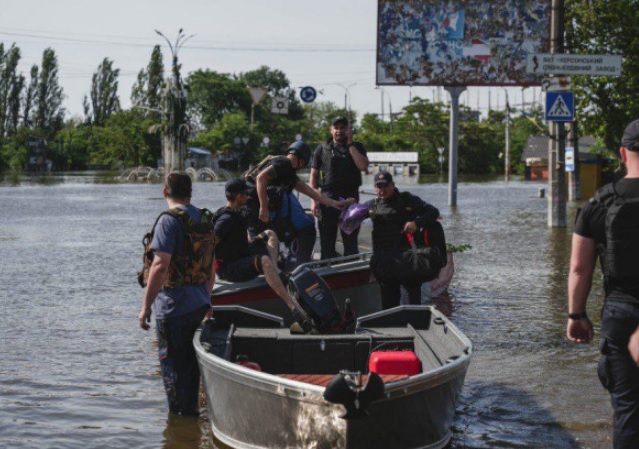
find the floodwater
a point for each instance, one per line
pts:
(76, 371)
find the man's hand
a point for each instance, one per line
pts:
(633, 346)
(349, 137)
(315, 208)
(580, 331)
(339, 205)
(410, 227)
(264, 214)
(145, 317)
(349, 202)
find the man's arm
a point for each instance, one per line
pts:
(633, 346)
(424, 213)
(262, 184)
(157, 276)
(360, 159)
(582, 266)
(314, 183)
(307, 190)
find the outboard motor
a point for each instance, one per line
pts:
(317, 302)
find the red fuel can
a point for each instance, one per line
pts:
(394, 362)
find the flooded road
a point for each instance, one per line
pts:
(77, 371)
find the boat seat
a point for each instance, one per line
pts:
(322, 380)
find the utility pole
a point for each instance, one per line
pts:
(507, 157)
(574, 177)
(557, 142)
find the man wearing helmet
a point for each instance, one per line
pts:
(274, 184)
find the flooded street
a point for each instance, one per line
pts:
(78, 372)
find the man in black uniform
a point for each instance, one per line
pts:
(608, 226)
(395, 214)
(336, 169)
(237, 259)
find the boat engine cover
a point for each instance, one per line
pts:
(316, 300)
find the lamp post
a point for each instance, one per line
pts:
(440, 150)
(347, 95)
(507, 157)
(390, 106)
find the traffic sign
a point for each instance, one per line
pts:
(308, 94)
(557, 83)
(257, 93)
(570, 159)
(570, 64)
(560, 106)
(279, 105)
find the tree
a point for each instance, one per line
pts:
(213, 94)
(10, 86)
(148, 89)
(605, 105)
(29, 98)
(104, 92)
(49, 109)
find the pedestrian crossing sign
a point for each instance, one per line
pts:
(560, 107)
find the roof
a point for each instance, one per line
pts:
(397, 156)
(199, 151)
(537, 147)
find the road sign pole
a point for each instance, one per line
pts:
(557, 144)
(455, 92)
(574, 177)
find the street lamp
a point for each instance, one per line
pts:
(390, 106)
(347, 95)
(507, 157)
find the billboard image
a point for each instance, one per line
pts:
(460, 43)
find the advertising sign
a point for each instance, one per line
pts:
(460, 43)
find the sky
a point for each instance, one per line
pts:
(329, 45)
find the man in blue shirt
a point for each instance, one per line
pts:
(180, 296)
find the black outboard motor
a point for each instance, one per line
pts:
(318, 303)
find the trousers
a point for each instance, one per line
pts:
(328, 225)
(617, 371)
(391, 293)
(178, 363)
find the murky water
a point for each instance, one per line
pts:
(76, 370)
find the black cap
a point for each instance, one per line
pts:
(383, 177)
(235, 185)
(340, 119)
(630, 139)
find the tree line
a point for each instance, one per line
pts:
(219, 108)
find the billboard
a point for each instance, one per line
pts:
(460, 43)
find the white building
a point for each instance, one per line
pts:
(397, 163)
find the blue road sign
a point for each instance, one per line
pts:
(308, 94)
(560, 106)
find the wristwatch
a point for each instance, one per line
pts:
(578, 316)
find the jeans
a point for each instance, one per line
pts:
(180, 371)
(618, 373)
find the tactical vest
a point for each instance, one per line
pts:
(619, 253)
(338, 168)
(194, 264)
(234, 246)
(251, 174)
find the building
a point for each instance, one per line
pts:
(397, 163)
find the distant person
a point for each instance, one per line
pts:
(396, 214)
(237, 258)
(336, 170)
(179, 284)
(608, 227)
(275, 179)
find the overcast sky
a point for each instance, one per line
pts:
(321, 44)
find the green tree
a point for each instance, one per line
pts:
(213, 94)
(148, 90)
(10, 86)
(605, 105)
(29, 98)
(104, 92)
(49, 110)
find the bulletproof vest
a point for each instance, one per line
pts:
(194, 263)
(389, 219)
(235, 245)
(619, 254)
(338, 168)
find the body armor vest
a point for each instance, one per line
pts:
(235, 245)
(338, 168)
(193, 265)
(619, 254)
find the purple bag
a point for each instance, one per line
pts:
(351, 218)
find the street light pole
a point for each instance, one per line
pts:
(347, 102)
(507, 157)
(390, 106)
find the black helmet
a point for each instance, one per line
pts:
(301, 150)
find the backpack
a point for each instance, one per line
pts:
(250, 175)
(422, 262)
(194, 265)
